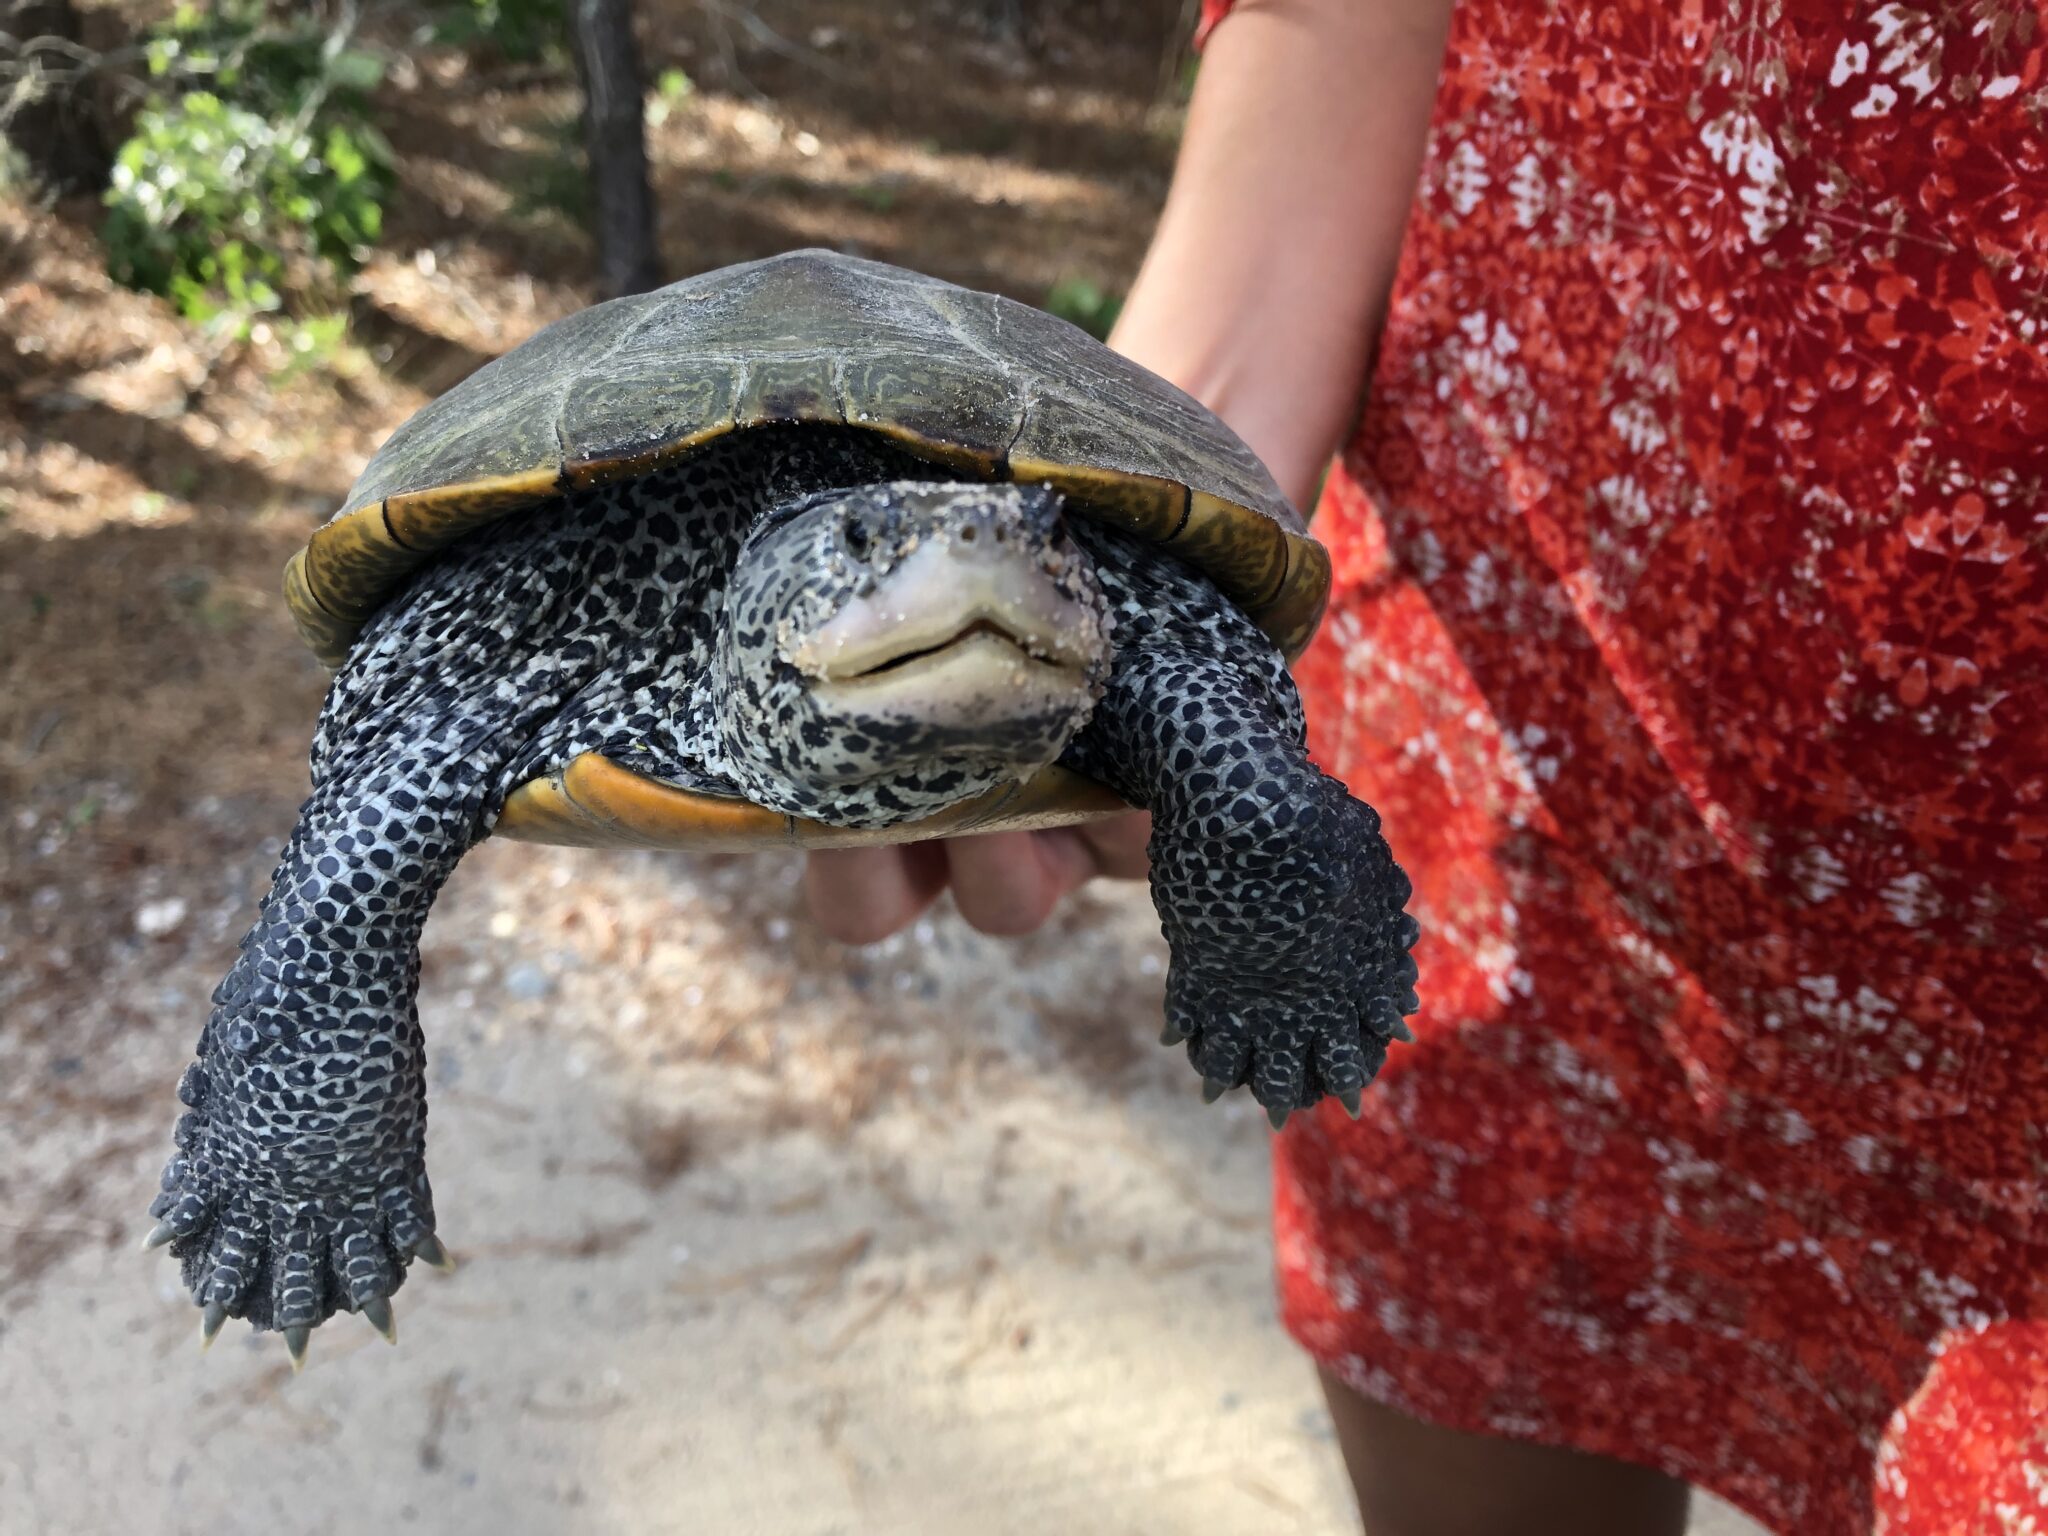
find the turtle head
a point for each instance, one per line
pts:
(890, 650)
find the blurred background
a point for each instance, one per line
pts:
(759, 1233)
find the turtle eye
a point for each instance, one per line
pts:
(854, 534)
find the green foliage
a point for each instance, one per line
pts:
(211, 200)
(1086, 304)
(672, 88)
(253, 173)
(877, 196)
(267, 57)
(318, 342)
(522, 30)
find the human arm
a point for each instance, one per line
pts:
(1266, 281)
(1261, 295)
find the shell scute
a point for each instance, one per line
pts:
(644, 407)
(790, 387)
(500, 420)
(966, 414)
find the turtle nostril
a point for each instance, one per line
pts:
(1002, 537)
(970, 533)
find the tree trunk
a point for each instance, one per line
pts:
(45, 110)
(601, 35)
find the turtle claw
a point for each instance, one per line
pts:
(1383, 1018)
(161, 1235)
(429, 1249)
(1171, 1035)
(288, 1272)
(1353, 1103)
(1277, 1117)
(1213, 1088)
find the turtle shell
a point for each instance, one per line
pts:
(970, 380)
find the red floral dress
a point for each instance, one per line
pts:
(1691, 635)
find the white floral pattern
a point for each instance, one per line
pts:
(1691, 633)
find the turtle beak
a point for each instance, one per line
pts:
(939, 598)
(971, 624)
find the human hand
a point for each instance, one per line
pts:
(1004, 883)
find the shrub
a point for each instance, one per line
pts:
(253, 174)
(525, 30)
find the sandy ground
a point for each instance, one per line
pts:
(757, 1235)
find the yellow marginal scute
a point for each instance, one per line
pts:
(593, 802)
(325, 635)
(971, 461)
(582, 474)
(352, 562)
(1243, 553)
(1141, 504)
(1297, 608)
(429, 520)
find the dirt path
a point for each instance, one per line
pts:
(760, 1234)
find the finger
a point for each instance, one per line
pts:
(1072, 856)
(1006, 883)
(1118, 845)
(859, 895)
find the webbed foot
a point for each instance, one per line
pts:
(257, 1239)
(1304, 999)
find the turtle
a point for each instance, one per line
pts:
(809, 551)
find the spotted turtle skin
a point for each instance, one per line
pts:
(599, 618)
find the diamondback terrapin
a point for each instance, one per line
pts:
(808, 551)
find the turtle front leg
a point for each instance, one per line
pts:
(1281, 902)
(299, 1185)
